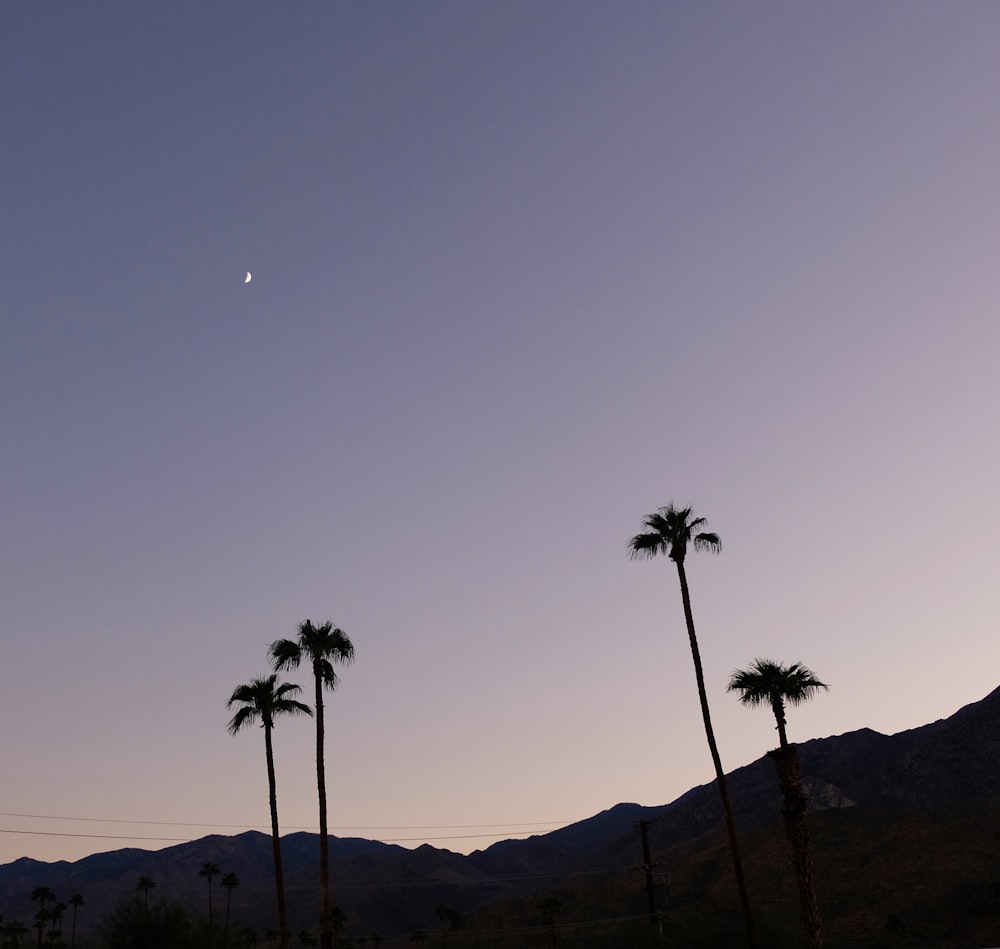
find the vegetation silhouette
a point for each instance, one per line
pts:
(322, 647)
(144, 885)
(76, 901)
(229, 881)
(41, 895)
(671, 531)
(261, 700)
(209, 870)
(766, 682)
(163, 925)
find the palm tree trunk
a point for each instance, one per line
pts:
(325, 930)
(279, 877)
(720, 776)
(211, 915)
(786, 763)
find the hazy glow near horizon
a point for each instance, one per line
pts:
(532, 271)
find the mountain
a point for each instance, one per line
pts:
(938, 784)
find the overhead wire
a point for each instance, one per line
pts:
(521, 828)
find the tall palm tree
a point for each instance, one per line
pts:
(671, 531)
(322, 647)
(41, 895)
(262, 700)
(230, 881)
(76, 901)
(208, 871)
(767, 682)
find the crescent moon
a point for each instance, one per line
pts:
(249, 277)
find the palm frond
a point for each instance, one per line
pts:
(646, 546)
(707, 541)
(285, 689)
(324, 669)
(325, 642)
(245, 717)
(285, 654)
(291, 707)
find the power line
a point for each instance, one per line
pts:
(312, 827)
(54, 833)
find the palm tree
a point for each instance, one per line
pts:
(57, 915)
(230, 881)
(262, 700)
(76, 901)
(767, 682)
(322, 647)
(41, 917)
(209, 870)
(338, 920)
(41, 895)
(671, 531)
(144, 885)
(442, 914)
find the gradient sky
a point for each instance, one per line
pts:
(523, 272)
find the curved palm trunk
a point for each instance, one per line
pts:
(225, 928)
(720, 776)
(279, 877)
(325, 928)
(786, 763)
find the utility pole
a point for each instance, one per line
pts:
(647, 865)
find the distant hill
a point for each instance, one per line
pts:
(921, 808)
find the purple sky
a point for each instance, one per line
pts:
(523, 272)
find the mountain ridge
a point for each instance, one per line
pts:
(946, 764)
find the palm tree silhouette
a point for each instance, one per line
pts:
(76, 901)
(41, 895)
(767, 682)
(322, 647)
(209, 870)
(144, 885)
(671, 531)
(262, 700)
(230, 881)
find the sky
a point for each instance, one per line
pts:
(523, 272)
